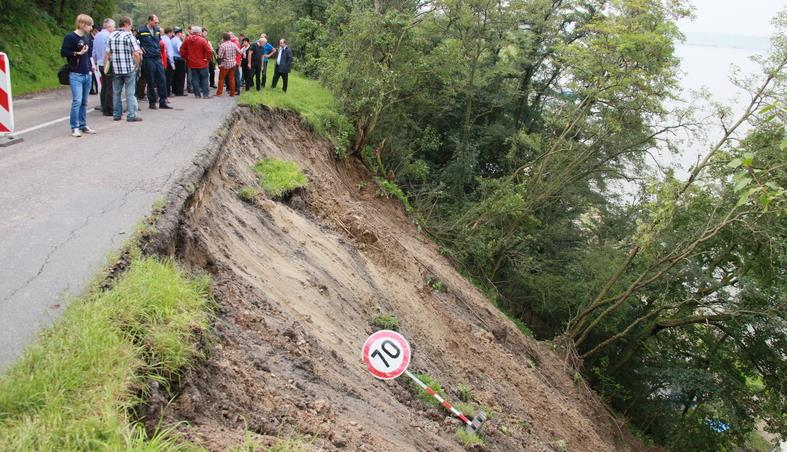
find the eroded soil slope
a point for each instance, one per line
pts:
(297, 284)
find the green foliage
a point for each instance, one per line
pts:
(74, 388)
(247, 194)
(386, 322)
(436, 285)
(278, 177)
(389, 189)
(294, 443)
(561, 445)
(464, 392)
(423, 395)
(521, 326)
(468, 439)
(313, 102)
(34, 57)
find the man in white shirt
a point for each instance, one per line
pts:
(99, 46)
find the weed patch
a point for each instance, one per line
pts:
(468, 439)
(247, 194)
(421, 394)
(74, 387)
(278, 177)
(389, 189)
(386, 322)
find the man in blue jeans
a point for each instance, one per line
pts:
(77, 48)
(152, 68)
(124, 55)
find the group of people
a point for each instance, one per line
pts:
(145, 59)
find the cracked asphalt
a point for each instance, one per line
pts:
(66, 203)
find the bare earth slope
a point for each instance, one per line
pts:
(297, 284)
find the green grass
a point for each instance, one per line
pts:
(32, 41)
(386, 322)
(468, 439)
(389, 189)
(278, 177)
(295, 443)
(315, 103)
(423, 395)
(74, 387)
(247, 193)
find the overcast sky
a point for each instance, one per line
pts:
(739, 17)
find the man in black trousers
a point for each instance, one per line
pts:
(152, 67)
(283, 65)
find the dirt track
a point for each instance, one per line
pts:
(297, 284)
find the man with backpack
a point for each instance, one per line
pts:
(77, 48)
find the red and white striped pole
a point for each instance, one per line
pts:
(445, 403)
(6, 103)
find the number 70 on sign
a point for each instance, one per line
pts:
(387, 354)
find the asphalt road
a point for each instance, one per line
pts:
(66, 203)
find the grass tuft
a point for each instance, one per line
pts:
(432, 383)
(74, 387)
(314, 103)
(468, 439)
(386, 322)
(389, 189)
(247, 194)
(278, 177)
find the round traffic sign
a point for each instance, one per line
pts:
(386, 354)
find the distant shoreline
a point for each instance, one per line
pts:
(727, 41)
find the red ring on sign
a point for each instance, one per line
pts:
(396, 337)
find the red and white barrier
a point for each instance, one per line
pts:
(6, 103)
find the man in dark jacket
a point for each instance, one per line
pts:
(283, 65)
(152, 68)
(77, 47)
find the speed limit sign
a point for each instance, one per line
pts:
(386, 354)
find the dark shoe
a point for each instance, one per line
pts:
(208, 96)
(134, 119)
(118, 118)
(107, 114)
(153, 107)
(198, 96)
(165, 107)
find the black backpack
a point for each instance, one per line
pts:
(62, 74)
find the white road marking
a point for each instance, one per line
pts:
(40, 126)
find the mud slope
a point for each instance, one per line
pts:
(297, 284)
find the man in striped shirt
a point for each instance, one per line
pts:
(125, 55)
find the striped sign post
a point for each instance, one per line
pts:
(387, 355)
(6, 104)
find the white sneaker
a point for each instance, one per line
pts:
(76, 133)
(88, 130)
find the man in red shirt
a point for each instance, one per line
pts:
(197, 52)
